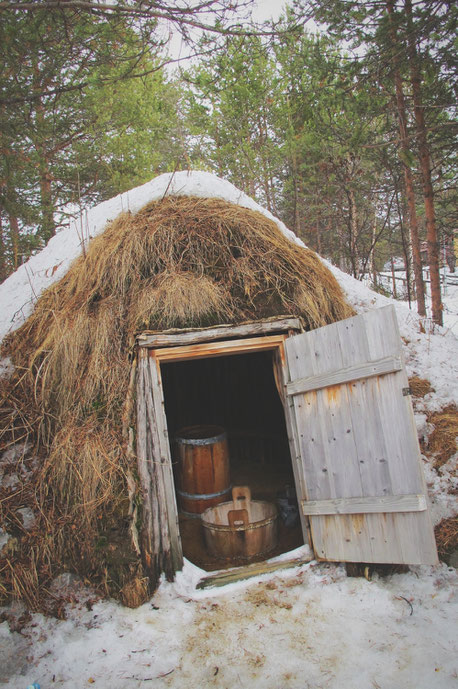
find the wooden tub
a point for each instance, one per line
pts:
(241, 528)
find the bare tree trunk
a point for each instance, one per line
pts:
(393, 278)
(48, 228)
(3, 271)
(425, 165)
(294, 169)
(407, 250)
(401, 206)
(408, 179)
(219, 161)
(297, 210)
(14, 235)
(450, 253)
(266, 178)
(372, 252)
(343, 260)
(318, 237)
(353, 233)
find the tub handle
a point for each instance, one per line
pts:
(241, 498)
(237, 518)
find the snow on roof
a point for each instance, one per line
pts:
(20, 291)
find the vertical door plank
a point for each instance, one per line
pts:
(166, 487)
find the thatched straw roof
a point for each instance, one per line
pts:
(179, 262)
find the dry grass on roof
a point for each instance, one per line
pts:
(179, 262)
(443, 441)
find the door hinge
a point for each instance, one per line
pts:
(406, 392)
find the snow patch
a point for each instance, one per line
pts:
(4, 538)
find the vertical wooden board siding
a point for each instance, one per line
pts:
(402, 442)
(359, 440)
(339, 444)
(150, 520)
(343, 476)
(155, 463)
(167, 488)
(281, 379)
(141, 443)
(310, 358)
(370, 455)
(366, 424)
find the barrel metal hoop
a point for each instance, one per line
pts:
(202, 441)
(203, 496)
(190, 515)
(245, 527)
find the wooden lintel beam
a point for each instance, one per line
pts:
(222, 348)
(178, 338)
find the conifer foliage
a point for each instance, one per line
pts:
(347, 133)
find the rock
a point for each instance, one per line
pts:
(13, 653)
(8, 481)
(14, 453)
(6, 367)
(4, 538)
(28, 517)
(64, 583)
(421, 424)
(453, 559)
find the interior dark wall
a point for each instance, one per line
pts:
(237, 392)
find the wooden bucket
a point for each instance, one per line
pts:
(242, 528)
(202, 468)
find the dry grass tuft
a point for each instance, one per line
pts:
(31, 560)
(446, 533)
(442, 443)
(185, 262)
(176, 299)
(135, 592)
(84, 470)
(420, 386)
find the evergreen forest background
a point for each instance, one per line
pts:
(347, 132)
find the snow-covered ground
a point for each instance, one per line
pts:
(306, 628)
(449, 290)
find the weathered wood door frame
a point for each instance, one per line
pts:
(156, 450)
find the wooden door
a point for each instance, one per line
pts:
(364, 485)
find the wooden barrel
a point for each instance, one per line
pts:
(242, 528)
(202, 468)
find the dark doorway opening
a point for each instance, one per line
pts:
(239, 393)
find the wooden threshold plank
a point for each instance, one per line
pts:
(197, 335)
(370, 505)
(389, 364)
(240, 573)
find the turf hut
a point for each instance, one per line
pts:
(185, 314)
